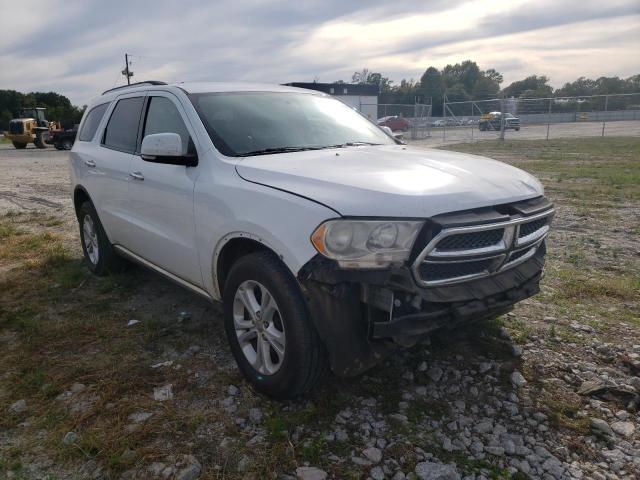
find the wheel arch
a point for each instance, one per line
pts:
(80, 195)
(231, 248)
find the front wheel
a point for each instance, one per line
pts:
(19, 145)
(39, 141)
(67, 144)
(269, 329)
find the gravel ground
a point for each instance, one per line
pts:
(549, 391)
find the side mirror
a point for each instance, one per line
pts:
(166, 148)
(387, 130)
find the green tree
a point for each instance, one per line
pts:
(494, 75)
(533, 86)
(466, 73)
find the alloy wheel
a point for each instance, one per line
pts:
(90, 239)
(259, 327)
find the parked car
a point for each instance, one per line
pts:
(491, 121)
(329, 243)
(64, 139)
(395, 123)
(448, 122)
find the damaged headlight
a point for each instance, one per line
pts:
(366, 243)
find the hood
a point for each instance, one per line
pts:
(391, 181)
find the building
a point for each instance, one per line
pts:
(361, 96)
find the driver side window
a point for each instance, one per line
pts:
(163, 117)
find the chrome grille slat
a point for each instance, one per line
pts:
(496, 246)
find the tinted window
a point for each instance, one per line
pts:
(122, 130)
(163, 117)
(91, 122)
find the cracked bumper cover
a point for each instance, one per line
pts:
(348, 306)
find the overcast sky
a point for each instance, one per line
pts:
(77, 47)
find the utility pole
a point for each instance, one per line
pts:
(126, 71)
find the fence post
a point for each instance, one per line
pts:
(444, 117)
(471, 122)
(604, 120)
(502, 122)
(549, 117)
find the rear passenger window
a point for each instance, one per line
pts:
(91, 122)
(164, 117)
(122, 130)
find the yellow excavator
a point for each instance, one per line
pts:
(31, 127)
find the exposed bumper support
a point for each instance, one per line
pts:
(358, 332)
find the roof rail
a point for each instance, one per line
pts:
(147, 82)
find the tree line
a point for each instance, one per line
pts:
(58, 107)
(467, 81)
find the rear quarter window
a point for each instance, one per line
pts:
(91, 122)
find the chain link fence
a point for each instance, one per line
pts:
(538, 118)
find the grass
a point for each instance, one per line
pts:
(596, 171)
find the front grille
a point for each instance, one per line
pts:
(443, 271)
(519, 254)
(459, 254)
(17, 128)
(469, 241)
(527, 229)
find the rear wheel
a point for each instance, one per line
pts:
(67, 144)
(269, 328)
(19, 145)
(99, 254)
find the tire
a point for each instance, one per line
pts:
(517, 129)
(19, 145)
(39, 141)
(67, 144)
(99, 254)
(289, 327)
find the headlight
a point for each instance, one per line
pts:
(366, 243)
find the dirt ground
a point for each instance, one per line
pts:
(131, 377)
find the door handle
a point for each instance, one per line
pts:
(136, 175)
(89, 163)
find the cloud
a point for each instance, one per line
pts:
(77, 47)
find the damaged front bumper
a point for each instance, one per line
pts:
(362, 315)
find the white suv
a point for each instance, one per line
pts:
(329, 242)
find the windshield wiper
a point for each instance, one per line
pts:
(350, 144)
(268, 151)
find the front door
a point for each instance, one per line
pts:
(161, 196)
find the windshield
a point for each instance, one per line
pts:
(259, 123)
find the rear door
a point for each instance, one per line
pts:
(161, 196)
(113, 158)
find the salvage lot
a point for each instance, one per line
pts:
(84, 395)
